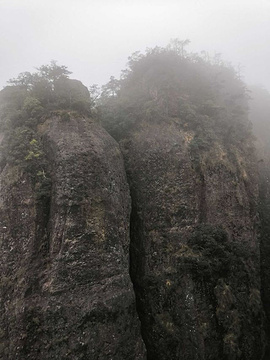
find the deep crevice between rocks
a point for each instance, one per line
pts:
(136, 264)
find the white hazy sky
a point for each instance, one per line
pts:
(93, 38)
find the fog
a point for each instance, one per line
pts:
(94, 38)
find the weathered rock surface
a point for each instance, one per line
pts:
(194, 248)
(259, 115)
(65, 286)
(264, 212)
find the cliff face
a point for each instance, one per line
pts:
(65, 286)
(72, 238)
(264, 212)
(259, 115)
(194, 249)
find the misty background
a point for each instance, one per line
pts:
(94, 38)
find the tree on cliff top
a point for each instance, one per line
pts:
(30, 95)
(169, 82)
(51, 73)
(27, 101)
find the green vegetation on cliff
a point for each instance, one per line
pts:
(28, 101)
(31, 95)
(199, 92)
(203, 96)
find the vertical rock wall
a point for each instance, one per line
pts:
(65, 286)
(194, 249)
(259, 116)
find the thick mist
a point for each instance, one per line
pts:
(94, 38)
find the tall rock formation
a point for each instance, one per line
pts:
(260, 116)
(70, 234)
(183, 128)
(64, 251)
(194, 249)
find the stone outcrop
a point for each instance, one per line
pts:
(194, 248)
(64, 251)
(71, 238)
(259, 115)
